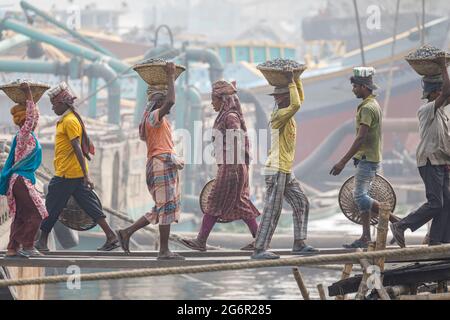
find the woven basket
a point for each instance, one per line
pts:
(276, 77)
(206, 191)
(155, 73)
(76, 218)
(380, 190)
(14, 92)
(426, 66)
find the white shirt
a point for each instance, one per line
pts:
(434, 132)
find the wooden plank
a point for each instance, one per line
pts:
(109, 263)
(185, 253)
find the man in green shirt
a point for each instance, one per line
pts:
(365, 151)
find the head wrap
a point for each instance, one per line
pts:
(224, 88)
(19, 113)
(152, 92)
(226, 91)
(364, 81)
(431, 84)
(61, 94)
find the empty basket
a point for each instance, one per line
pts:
(76, 218)
(380, 190)
(155, 73)
(204, 195)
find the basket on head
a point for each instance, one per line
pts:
(155, 73)
(380, 190)
(204, 195)
(275, 77)
(76, 218)
(426, 66)
(14, 92)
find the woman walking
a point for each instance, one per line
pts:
(26, 207)
(229, 198)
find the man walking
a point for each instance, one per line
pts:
(366, 150)
(433, 161)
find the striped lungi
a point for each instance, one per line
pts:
(281, 186)
(163, 184)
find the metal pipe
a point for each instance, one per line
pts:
(64, 45)
(95, 70)
(209, 56)
(103, 70)
(325, 150)
(28, 7)
(92, 110)
(55, 68)
(358, 24)
(13, 42)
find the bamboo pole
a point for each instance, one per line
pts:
(321, 292)
(382, 231)
(438, 296)
(301, 284)
(362, 290)
(345, 275)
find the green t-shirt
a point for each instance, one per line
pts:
(369, 113)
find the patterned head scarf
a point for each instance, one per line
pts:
(226, 91)
(61, 94)
(152, 92)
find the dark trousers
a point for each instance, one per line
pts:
(59, 192)
(437, 188)
(27, 219)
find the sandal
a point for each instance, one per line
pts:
(171, 256)
(108, 246)
(357, 244)
(249, 247)
(305, 249)
(265, 255)
(124, 244)
(29, 253)
(193, 244)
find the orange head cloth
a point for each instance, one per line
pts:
(19, 113)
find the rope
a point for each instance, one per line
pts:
(287, 262)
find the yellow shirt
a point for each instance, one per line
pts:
(284, 132)
(66, 163)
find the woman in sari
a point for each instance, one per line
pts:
(229, 199)
(17, 181)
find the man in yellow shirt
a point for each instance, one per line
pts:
(72, 148)
(280, 181)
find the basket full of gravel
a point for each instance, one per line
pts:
(274, 70)
(423, 60)
(153, 71)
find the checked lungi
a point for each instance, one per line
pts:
(281, 186)
(163, 184)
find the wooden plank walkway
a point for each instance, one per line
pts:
(148, 259)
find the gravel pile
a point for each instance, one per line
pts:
(281, 64)
(154, 61)
(426, 52)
